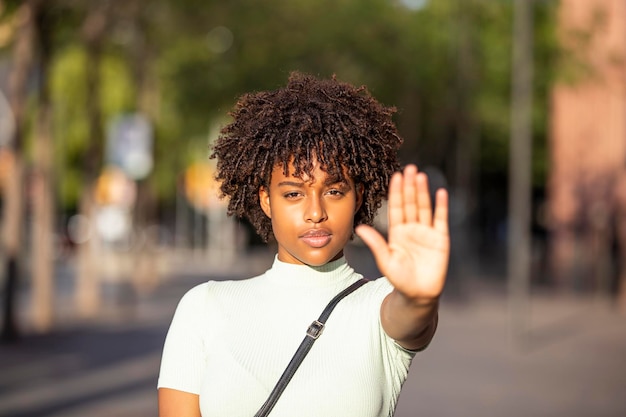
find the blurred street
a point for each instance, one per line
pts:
(572, 363)
(110, 111)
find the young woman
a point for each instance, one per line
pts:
(307, 164)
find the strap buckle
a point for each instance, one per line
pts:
(315, 329)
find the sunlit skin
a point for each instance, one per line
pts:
(414, 258)
(312, 218)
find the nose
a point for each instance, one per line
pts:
(315, 211)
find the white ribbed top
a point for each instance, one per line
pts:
(230, 341)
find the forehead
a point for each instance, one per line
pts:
(312, 173)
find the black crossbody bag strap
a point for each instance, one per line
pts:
(313, 332)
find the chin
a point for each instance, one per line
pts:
(319, 260)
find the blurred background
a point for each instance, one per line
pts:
(109, 210)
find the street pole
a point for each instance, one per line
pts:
(520, 177)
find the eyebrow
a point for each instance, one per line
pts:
(329, 181)
(291, 184)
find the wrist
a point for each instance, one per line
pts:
(416, 301)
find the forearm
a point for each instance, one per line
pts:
(410, 322)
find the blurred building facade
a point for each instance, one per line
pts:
(587, 184)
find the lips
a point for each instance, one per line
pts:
(316, 238)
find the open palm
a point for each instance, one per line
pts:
(415, 258)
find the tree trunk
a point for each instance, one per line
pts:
(145, 274)
(43, 200)
(12, 227)
(87, 278)
(461, 165)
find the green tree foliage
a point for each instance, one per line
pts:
(71, 130)
(410, 59)
(446, 67)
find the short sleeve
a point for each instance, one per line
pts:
(183, 360)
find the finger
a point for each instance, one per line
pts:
(409, 198)
(396, 212)
(440, 222)
(425, 208)
(376, 242)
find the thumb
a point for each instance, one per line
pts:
(375, 241)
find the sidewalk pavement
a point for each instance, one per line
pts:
(571, 363)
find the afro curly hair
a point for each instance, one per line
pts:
(340, 125)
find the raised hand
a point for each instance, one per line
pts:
(415, 258)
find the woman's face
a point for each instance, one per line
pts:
(312, 218)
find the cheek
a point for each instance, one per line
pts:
(282, 218)
(346, 216)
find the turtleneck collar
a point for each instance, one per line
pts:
(332, 274)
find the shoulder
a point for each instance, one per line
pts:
(211, 300)
(195, 301)
(212, 291)
(378, 287)
(369, 297)
(197, 295)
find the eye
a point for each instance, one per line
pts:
(334, 192)
(292, 195)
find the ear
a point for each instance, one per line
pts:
(264, 201)
(360, 189)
